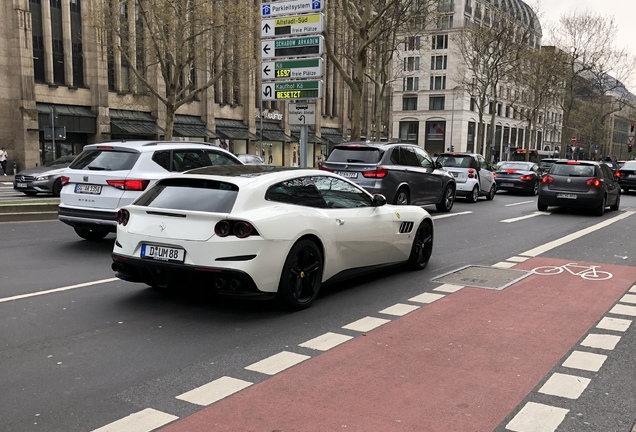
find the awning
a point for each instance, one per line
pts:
(191, 126)
(123, 122)
(78, 119)
(233, 129)
(70, 110)
(273, 132)
(331, 134)
(311, 136)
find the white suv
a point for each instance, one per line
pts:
(107, 176)
(472, 173)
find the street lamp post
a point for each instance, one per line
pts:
(451, 148)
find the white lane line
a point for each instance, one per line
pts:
(568, 238)
(518, 259)
(520, 218)
(535, 417)
(615, 324)
(633, 289)
(366, 324)
(277, 363)
(518, 203)
(563, 385)
(142, 421)
(504, 264)
(426, 298)
(601, 341)
(448, 288)
(623, 310)
(447, 215)
(585, 361)
(399, 309)
(628, 298)
(214, 391)
(66, 288)
(326, 341)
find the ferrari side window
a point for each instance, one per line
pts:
(299, 191)
(338, 193)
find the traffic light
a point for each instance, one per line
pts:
(629, 148)
(632, 128)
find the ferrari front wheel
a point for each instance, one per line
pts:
(422, 247)
(301, 277)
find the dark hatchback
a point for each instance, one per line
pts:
(579, 184)
(518, 177)
(626, 176)
(404, 173)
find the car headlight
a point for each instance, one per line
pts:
(42, 178)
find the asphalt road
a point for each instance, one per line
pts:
(80, 350)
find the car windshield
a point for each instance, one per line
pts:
(190, 194)
(572, 170)
(352, 154)
(515, 166)
(457, 161)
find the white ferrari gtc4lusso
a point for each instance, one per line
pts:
(256, 230)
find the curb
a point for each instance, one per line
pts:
(28, 212)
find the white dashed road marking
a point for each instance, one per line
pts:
(520, 218)
(504, 264)
(366, 324)
(448, 288)
(142, 421)
(518, 259)
(519, 203)
(629, 298)
(447, 215)
(623, 310)
(326, 341)
(399, 309)
(214, 391)
(601, 341)
(535, 417)
(585, 361)
(66, 288)
(277, 363)
(426, 298)
(567, 386)
(616, 324)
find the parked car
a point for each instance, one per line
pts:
(579, 184)
(626, 176)
(472, 173)
(107, 176)
(45, 179)
(250, 159)
(612, 164)
(260, 231)
(546, 164)
(518, 177)
(404, 173)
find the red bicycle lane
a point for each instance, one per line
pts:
(462, 363)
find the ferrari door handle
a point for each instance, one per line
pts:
(339, 221)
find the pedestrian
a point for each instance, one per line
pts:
(3, 160)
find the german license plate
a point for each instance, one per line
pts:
(20, 185)
(566, 196)
(455, 174)
(631, 176)
(88, 189)
(162, 253)
(347, 174)
(507, 185)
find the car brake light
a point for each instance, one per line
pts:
(574, 163)
(105, 147)
(471, 173)
(134, 185)
(511, 171)
(494, 175)
(618, 174)
(547, 179)
(64, 180)
(525, 177)
(379, 172)
(123, 216)
(594, 182)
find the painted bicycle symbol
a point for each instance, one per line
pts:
(588, 272)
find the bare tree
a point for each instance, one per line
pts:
(369, 33)
(189, 44)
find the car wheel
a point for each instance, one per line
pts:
(535, 189)
(474, 195)
(422, 247)
(92, 234)
(541, 206)
(600, 210)
(491, 193)
(617, 204)
(448, 199)
(301, 277)
(402, 197)
(30, 193)
(57, 188)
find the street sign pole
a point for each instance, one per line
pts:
(304, 133)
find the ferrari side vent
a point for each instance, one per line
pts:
(406, 227)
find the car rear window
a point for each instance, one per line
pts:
(190, 194)
(105, 160)
(572, 170)
(515, 166)
(457, 161)
(631, 165)
(355, 155)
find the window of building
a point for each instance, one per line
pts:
(445, 22)
(438, 83)
(411, 63)
(38, 41)
(473, 104)
(439, 42)
(58, 42)
(499, 107)
(410, 84)
(76, 38)
(409, 103)
(436, 103)
(412, 43)
(409, 131)
(439, 62)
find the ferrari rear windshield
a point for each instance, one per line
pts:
(191, 194)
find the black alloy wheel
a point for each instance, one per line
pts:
(448, 199)
(422, 247)
(301, 276)
(535, 189)
(57, 188)
(600, 210)
(402, 197)
(617, 204)
(474, 195)
(491, 192)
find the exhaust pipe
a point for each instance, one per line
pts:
(235, 284)
(219, 283)
(117, 267)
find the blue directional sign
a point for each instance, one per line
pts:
(291, 7)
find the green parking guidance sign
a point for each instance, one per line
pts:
(292, 90)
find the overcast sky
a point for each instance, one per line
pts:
(623, 12)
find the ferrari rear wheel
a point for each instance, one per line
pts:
(301, 276)
(422, 247)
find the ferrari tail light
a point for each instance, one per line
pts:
(547, 179)
(525, 177)
(594, 182)
(379, 172)
(134, 185)
(64, 180)
(239, 229)
(471, 173)
(123, 216)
